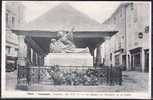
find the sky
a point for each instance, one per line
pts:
(99, 11)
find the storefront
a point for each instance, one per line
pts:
(118, 57)
(136, 64)
(146, 60)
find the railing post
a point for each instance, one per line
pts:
(120, 76)
(28, 75)
(111, 72)
(39, 74)
(108, 75)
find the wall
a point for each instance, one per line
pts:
(14, 18)
(117, 42)
(137, 20)
(129, 19)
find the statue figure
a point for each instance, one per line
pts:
(65, 39)
(65, 44)
(56, 47)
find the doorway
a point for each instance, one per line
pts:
(124, 62)
(136, 64)
(146, 60)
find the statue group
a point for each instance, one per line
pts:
(64, 52)
(64, 43)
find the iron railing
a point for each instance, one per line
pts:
(70, 75)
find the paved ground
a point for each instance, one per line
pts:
(135, 81)
(132, 82)
(11, 80)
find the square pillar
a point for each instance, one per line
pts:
(143, 60)
(98, 56)
(128, 61)
(22, 53)
(22, 64)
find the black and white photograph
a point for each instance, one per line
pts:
(76, 49)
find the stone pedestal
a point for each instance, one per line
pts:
(69, 59)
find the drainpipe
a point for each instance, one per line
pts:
(126, 49)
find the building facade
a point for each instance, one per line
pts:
(138, 40)
(129, 48)
(114, 48)
(14, 18)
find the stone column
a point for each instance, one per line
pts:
(22, 53)
(22, 63)
(143, 60)
(92, 49)
(36, 59)
(98, 56)
(42, 59)
(127, 62)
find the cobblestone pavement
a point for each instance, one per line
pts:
(132, 82)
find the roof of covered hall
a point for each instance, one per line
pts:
(63, 17)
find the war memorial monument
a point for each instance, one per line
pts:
(63, 52)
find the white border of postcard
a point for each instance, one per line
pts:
(25, 94)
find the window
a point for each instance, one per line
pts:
(114, 20)
(16, 49)
(19, 20)
(137, 61)
(13, 21)
(122, 37)
(129, 24)
(135, 17)
(147, 29)
(8, 49)
(121, 12)
(140, 35)
(117, 60)
(7, 17)
(132, 7)
(119, 44)
(111, 56)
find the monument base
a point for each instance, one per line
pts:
(69, 59)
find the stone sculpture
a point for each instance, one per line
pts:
(65, 44)
(63, 52)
